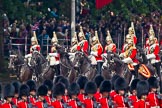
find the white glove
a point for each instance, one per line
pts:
(94, 53)
(71, 54)
(121, 55)
(150, 56)
(53, 54)
(49, 9)
(127, 60)
(104, 55)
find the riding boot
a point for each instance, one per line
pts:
(157, 67)
(57, 68)
(136, 70)
(99, 65)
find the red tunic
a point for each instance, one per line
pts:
(135, 39)
(153, 100)
(98, 50)
(15, 100)
(133, 99)
(39, 104)
(154, 49)
(72, 103)
(6, 105)
(84, 46)
(32, 100)
(81, 97)
(35, 47)
(104, 102)
(119, 101)
(65, 98)
(48, 99)
(112, 94)
(97, 95)
(57, 104)
(88, 103)
(111, 47)
(22, 104)
(141, 104)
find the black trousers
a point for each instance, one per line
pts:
(99, 66)
(135, 71)
(157, 67)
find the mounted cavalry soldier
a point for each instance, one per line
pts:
(83, 42)
(34, 47)
(110, 46)
(54, 55)
(96, 51)
(131, 32)
(152, 54)
(74, 47)
(129, 57)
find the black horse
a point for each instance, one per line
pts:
(20, 66)
(83, 65)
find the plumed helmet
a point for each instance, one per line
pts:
(105, 86)
(42, 90)
(48, 83)
(151, 31)
(58, 78)
(73, 89)
(81, 33)
(74, 38)
(33, 39)
(82, 80)
(151, 38)
(90, 88)
(32, 85)
(120, 84)
(128, 36)
(65, 81)
(134, 84)
(24, 90)
(98, 79)
(142, 88)
(54, 38)
(94, 38)
(131, 29)
(59, 89)
(17, 85)
(108, 37)
(113, 79)
(9, 90)
(153, 82)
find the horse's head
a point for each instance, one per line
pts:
(36, 58)
(13, 61)
(78, 58)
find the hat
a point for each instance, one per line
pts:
(24, 90)
(98, 79)
(34, 37)
(90, 88)
(113, 79)
(82, 80)
(134, 84)
(73, 89)
(105, 86)
(81, 33)
(59, 89)
(54, 38)
(153, 82)
(74, 38)
(120, 84)
(128, 36)
(32, 85)
(151, 31)
(48, 83)
(17, 85)
(65, 81)
(142, 88)
(58, 78)
(9, 90)
(108, 37)
(42, 90)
